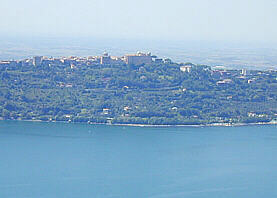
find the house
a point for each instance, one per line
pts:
(223, 82)
(185, 68)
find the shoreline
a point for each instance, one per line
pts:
(200, 125)
(149, 125)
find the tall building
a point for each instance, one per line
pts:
(37, 60)
(138, 59)
(244, 72)
(105, 59)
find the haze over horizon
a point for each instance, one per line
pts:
(215, 20)
(231, 33)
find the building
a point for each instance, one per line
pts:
(69, 61)
(158, 60)
(4, 63)
(224, 82)
(185, 68)
(167, 61)
(105, 59)
(138, 59)
(244, 72)
(37, 60)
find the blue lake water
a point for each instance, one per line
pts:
(49, 160)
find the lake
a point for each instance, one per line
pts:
(56, 160)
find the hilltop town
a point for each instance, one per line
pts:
(73, 61)
(134, 89)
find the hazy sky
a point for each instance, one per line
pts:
(228, 20)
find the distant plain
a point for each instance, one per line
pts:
(228, 54)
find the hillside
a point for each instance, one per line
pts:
(157, 93)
